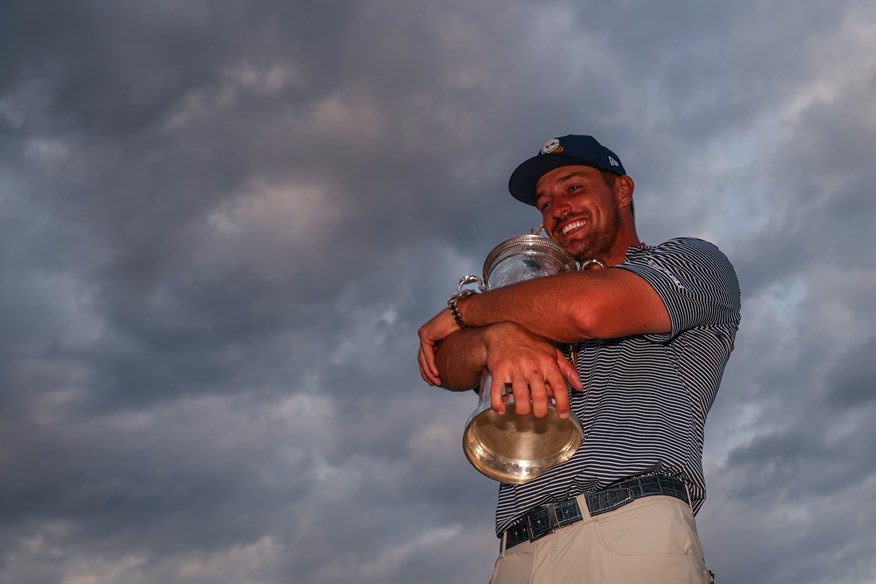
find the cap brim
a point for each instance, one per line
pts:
(525, 177)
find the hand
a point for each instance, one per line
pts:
(534, 368)
(433, 332)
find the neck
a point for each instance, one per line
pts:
(626, 238)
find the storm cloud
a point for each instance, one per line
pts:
(222, 222)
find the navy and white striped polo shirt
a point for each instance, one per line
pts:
(646, 397)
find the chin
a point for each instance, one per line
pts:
(583, 252)
(579, 250)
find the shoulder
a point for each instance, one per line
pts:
(686, 245)
(688, 263)
(684, 250)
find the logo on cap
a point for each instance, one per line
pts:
(552, 145)
(613, 161)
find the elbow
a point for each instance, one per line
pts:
(584, 323)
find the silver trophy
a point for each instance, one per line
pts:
(513, 448)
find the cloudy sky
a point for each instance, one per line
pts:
(222, 222)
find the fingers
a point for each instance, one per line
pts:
(433, 332)
(428, 366)
(533, 371)
(561, 395)
(569, 371)
(539, 392)
(497, 392)
(533, 393)
(520, 388)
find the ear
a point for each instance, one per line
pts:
(623, 191)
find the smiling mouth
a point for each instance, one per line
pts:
(573, 225)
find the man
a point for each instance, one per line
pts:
(654, 332)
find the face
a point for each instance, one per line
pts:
(580, 211)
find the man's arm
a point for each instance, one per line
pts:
(573, 306)
(530, 365)
(564, 308)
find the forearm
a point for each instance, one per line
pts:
(566, 308)
(570, 307)
(551, 307)
(461, 358)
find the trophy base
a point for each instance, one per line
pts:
(516, 449)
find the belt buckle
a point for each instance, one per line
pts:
(541, 522)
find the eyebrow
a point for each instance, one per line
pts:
(563, 179)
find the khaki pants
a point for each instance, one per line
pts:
(651, 540)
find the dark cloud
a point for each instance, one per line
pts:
(221, 224)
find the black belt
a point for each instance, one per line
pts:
(548, 518)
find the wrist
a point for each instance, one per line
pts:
(454, 304)
(497, 333)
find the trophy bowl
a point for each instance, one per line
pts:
(514, 448)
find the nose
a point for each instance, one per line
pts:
(561, 208)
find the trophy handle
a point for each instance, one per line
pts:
(471, 279)
(590, 264)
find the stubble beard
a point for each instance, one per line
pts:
(598, 244)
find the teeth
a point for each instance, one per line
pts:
(573, 225)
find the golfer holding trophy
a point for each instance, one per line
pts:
(594, 383)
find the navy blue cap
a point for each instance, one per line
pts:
(562, 151)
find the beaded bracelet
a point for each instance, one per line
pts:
(453, 305)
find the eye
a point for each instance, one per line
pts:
(544, 206)
(573, 188)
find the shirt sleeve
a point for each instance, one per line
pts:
(695, 280)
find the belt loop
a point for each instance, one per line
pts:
(582, 506)
(502, 543)
(689, 499)
(552, 514)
